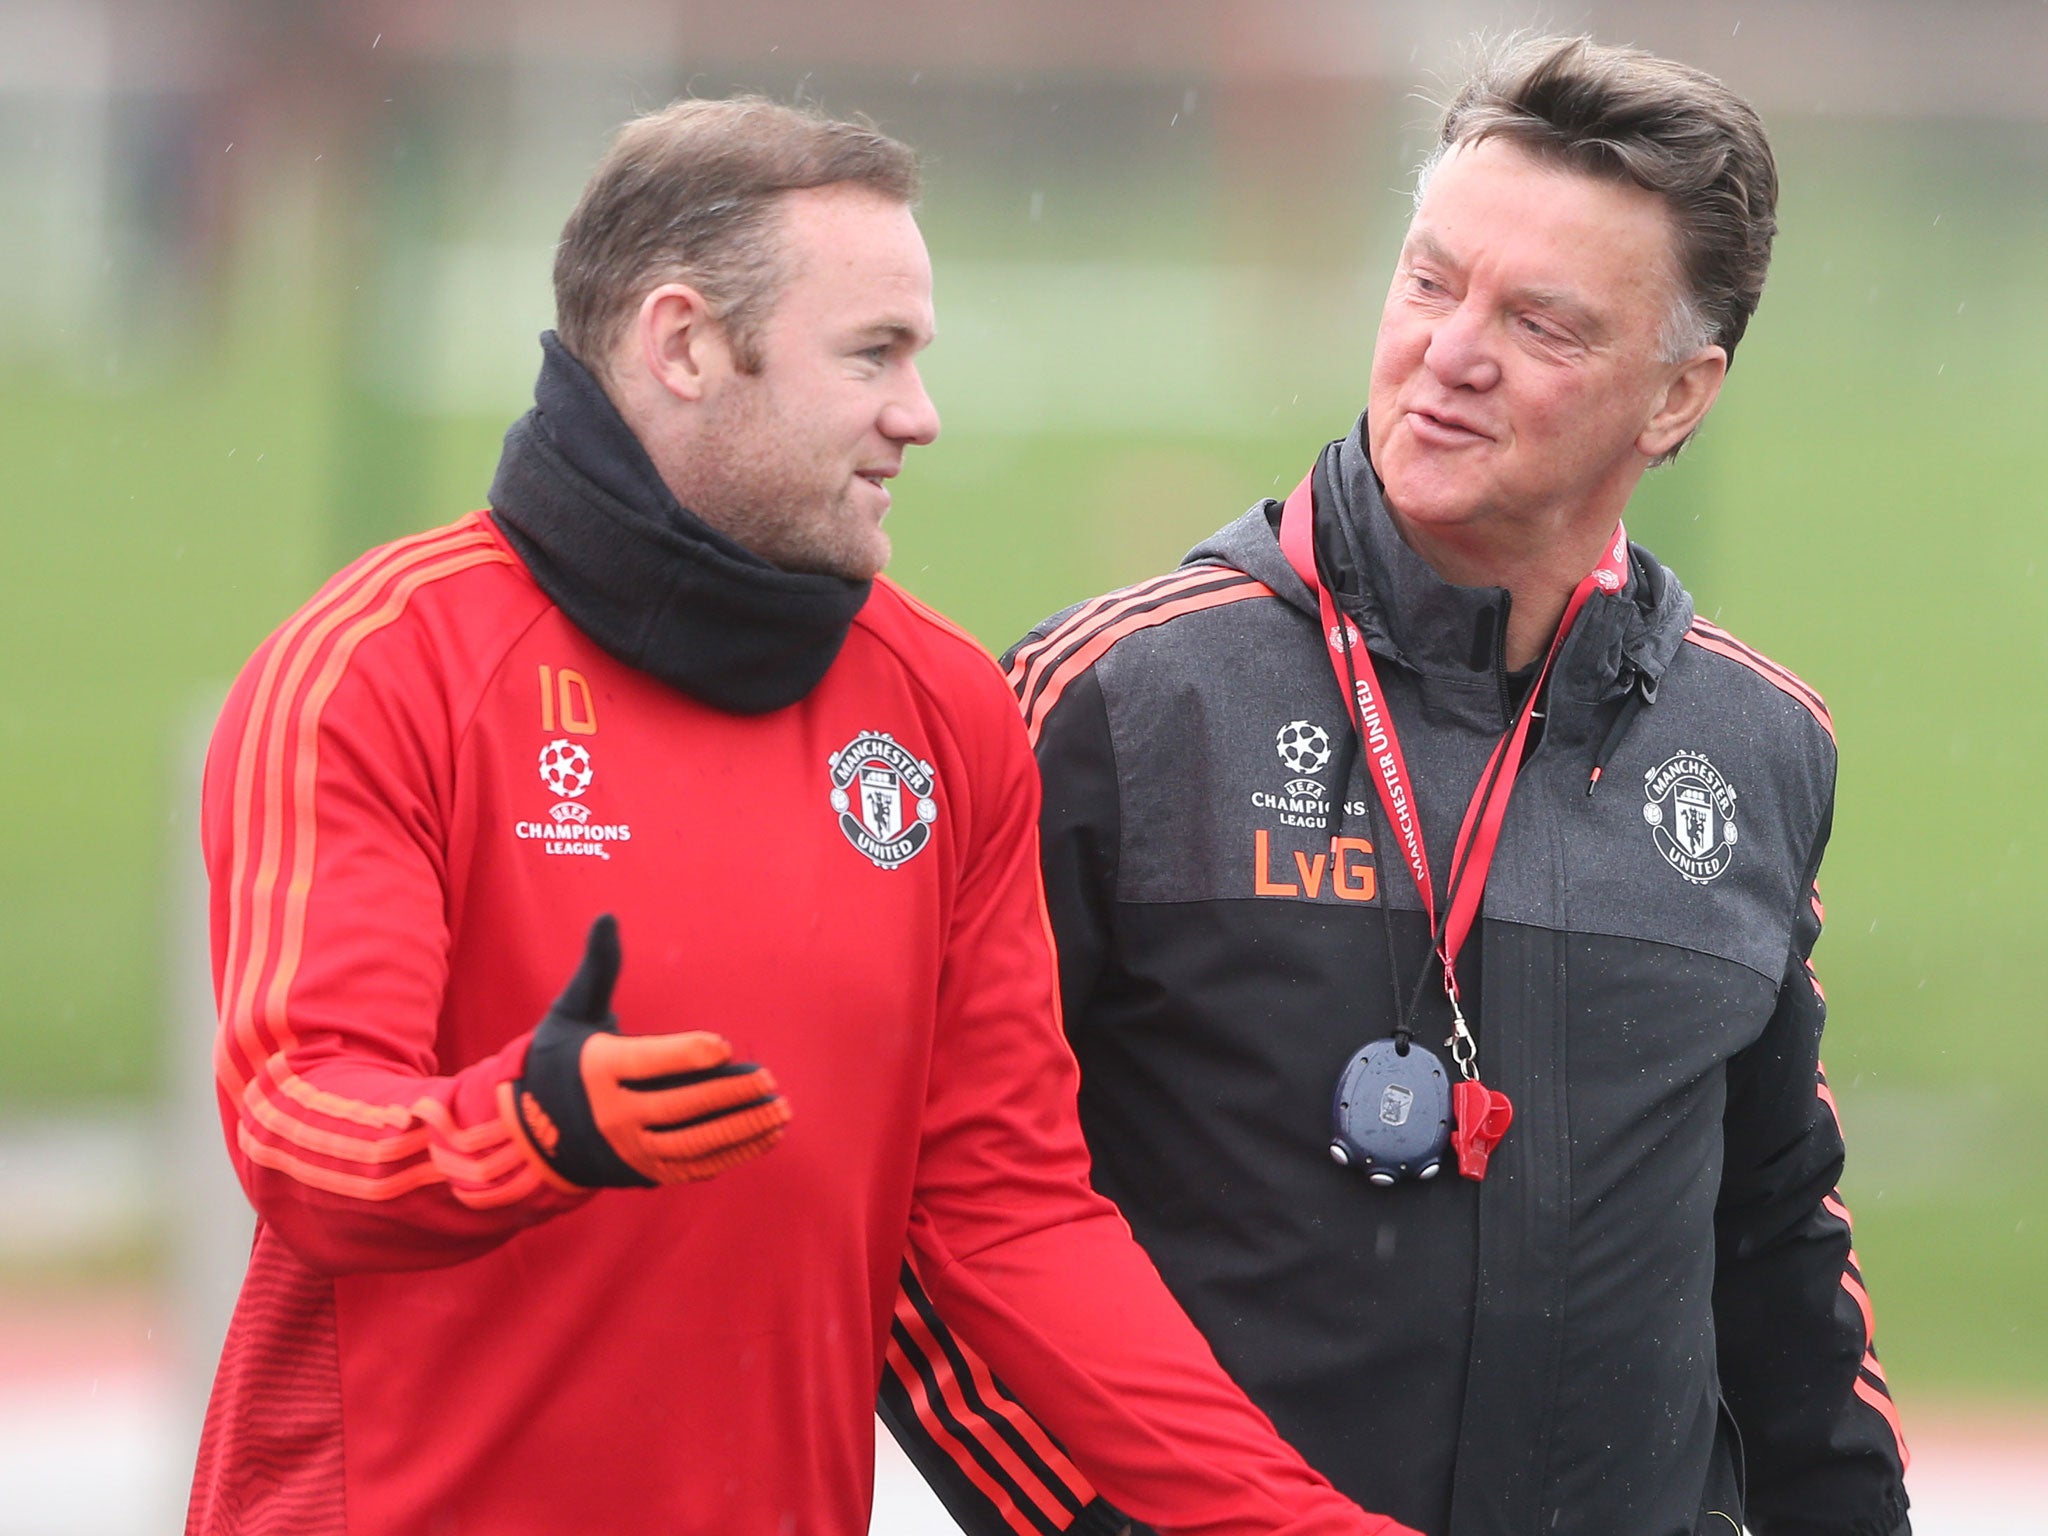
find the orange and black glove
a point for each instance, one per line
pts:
(610, 1111)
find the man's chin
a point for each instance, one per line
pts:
(864, 563)
(1427, 500)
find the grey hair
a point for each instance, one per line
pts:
(1630, 117)
(1685, 330)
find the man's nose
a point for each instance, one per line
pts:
(911, 417)
(1461, 351)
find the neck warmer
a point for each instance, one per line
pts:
(650, 582)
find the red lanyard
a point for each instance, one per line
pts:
(1479, 835)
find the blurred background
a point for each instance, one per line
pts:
(270, 280)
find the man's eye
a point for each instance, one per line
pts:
(877, 355)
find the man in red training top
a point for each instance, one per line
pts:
(653, 727)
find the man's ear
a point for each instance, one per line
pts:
(678, 341)
(1687, 397)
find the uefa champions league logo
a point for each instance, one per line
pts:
(565, 772)
(565, 768)
(1303, 747)
(1304, 750)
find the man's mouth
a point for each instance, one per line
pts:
(878, 479)
(1436, 428)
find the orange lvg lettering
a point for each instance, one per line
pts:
(1348, 865)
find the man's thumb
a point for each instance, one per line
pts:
(588, 997)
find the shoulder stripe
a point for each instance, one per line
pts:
(275, 849)
(1031, 659)
(279, 744)
(1725, 644)
(1100, 638)
(1096, 607)
(1708, 639)
(1792, 678)
(346, 589)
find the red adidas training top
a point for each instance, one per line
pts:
(423, 788)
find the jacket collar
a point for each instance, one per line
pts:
(1410, 614)
(651, 583)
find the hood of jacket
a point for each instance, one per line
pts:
(1412, 616)
(644, 577)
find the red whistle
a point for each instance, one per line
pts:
(1483, 1117)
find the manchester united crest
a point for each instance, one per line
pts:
(1691, 811)
(883, 796)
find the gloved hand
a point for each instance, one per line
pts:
(604, 1110)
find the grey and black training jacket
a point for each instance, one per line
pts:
(1647, 1320)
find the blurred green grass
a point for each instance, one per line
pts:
(1864, 506)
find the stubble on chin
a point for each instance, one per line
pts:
(836, 542)
(747, 484)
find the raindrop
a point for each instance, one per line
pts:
(377, 39)
(1738, 30)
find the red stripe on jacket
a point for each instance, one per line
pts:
(1121, 625)
(339, 1145)
(1711, 637)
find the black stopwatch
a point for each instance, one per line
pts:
(1391, 1114)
